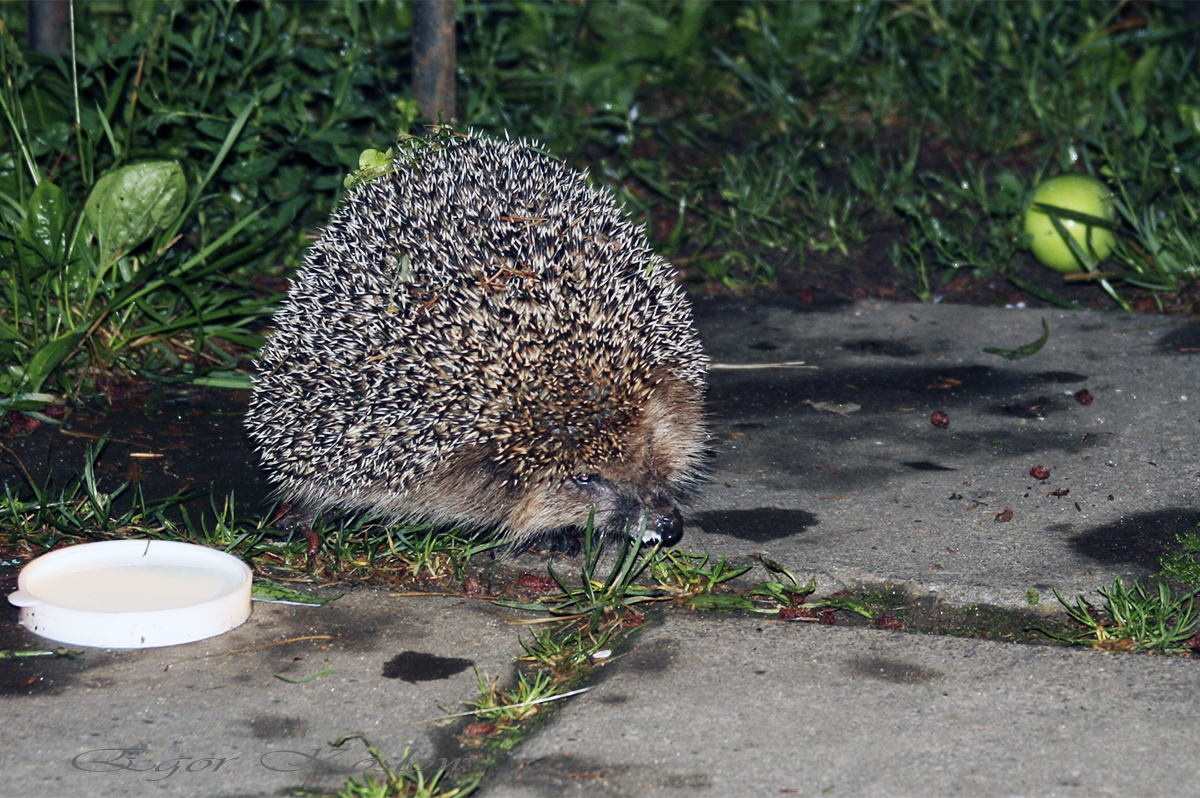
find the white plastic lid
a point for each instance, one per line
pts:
(133, 594)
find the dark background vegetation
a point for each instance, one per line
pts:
(829, 150)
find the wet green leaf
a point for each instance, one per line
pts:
(251, 171)
(45, 220)
(128, 205)
(50, 355)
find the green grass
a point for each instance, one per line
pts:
(749, 137)
(1183, 566)
(36, 518)
(157, 182)
(1135, 618)
(409, 781)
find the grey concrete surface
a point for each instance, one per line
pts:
(882, 495)
(725, 705)
(215, 718)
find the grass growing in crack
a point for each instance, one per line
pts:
(568, 651)
(440, 556)
(410, 781)
(684, 577)
(597, 602)
(506, 709)
(1134, 619)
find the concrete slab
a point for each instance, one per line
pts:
(727, 707)
(883, 495)
(214, 718)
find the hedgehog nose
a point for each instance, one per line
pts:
(669, 527)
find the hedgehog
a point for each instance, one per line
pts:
(479, 338)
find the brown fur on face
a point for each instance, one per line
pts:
(661, 454)
(659, 463)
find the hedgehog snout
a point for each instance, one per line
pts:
(663, 521)
(624, 506)
(667, 527)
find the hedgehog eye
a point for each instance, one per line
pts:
(583, 479)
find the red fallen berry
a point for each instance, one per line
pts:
(20, 425)
(939, 419)
(1039, 472)
(1083, 397)
(537, 584)
(888, 621)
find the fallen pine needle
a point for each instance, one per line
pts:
(276, 643)
(787, 364)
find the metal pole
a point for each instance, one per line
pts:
(433, 57)
(48, 25)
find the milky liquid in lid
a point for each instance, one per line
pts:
(133, 588)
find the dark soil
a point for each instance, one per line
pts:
(188, 442)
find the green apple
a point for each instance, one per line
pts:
(1081, 194)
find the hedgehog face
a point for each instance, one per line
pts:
(559, 504)
(619, 506)
(656, 464)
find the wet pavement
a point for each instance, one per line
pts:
(838, 472)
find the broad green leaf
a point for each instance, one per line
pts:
(1189, 115)
(1141, 76)
(371, 164)
(129, 204)
(50, 355)
(9, 333)
(45, 220)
